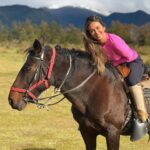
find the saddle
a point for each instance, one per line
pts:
(123, 70)
(145, 82)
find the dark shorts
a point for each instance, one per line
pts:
(136, 71)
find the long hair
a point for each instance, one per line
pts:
(92, 46)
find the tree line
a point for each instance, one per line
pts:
(56, 34)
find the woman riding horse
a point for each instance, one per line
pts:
(99, 43)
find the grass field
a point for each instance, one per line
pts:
(38, 129)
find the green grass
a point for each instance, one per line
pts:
(38, 129)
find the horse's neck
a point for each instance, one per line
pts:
(77, 75)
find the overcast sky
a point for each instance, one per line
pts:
(102, 6)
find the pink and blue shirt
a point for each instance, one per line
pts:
(117, 51)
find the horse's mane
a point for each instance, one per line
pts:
(73, 52)
(77, 53)
(29, 51)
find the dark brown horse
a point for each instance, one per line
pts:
(99, 103)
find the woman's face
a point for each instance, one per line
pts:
(97, 31)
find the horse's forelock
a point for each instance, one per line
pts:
(29, 51)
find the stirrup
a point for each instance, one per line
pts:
(148, 126)
(139, 129)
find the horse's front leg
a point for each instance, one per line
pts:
(113, 139)
(89, 137)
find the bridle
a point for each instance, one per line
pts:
(45, 80)
(28, 92)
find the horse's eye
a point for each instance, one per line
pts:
(27, 67)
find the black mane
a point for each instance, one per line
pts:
(110, 69)
(73, 52)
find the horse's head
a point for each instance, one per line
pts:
(33, 77)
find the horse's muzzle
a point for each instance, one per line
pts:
(19, 105)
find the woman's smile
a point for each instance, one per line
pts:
(97, 32)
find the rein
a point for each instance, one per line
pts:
(46, 105)
(57, 91)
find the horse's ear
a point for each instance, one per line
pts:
(37, 45)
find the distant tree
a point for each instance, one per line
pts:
(43, 29)
(144, 37)
(4, 32)
(141, 40)
(73, 35)
(133, 33)
(15, 30)
(121, 30)
(27, 31)
(54, 32)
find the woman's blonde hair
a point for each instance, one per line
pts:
(92, 46)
